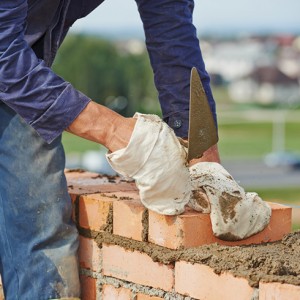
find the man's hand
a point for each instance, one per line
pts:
(234, 213)
(210, 155)
(157, 161)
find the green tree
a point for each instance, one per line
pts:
(116, 78)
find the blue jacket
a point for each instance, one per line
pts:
(32, 31)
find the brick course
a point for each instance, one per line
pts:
(89, 254)
(200, 281)
(278, 291)
(136, 267)
(109, 292)
(192, 229)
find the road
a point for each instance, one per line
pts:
(254, 173)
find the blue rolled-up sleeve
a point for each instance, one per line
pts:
(174, 49)
(43, 99)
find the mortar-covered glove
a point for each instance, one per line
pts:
(234, 214)
(157, 161)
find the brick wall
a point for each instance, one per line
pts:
(129, 253)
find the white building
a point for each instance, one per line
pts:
(266, 85)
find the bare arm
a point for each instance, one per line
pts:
(102, 125)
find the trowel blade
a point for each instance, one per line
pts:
(202, 129)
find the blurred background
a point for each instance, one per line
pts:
(252, 52)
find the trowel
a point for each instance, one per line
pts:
(202, 128)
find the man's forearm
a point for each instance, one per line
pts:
(104, 126)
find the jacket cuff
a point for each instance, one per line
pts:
(60, 114)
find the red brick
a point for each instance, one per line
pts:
(185, 230)
(127, 219)
(147, 297)
(199, 281)
(88, 288)
(278, 291)
(94, 210)
(109, 292)
(89, 254)
(193, 229)
(73, 198)
(136, 267)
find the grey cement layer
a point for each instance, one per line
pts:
(270, 262)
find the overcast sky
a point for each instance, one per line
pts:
(241, 16)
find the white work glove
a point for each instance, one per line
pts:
(234, 214)
(157, 161)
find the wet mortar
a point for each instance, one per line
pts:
(145, 224)
(270, 262)
(108, 226)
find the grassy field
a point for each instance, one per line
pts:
(254, 140)
(245, 140)
(282, 195)
(288, 196)
(76, 144)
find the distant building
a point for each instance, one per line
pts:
(216, 79)
(266, 85)
(235, 59)
(289, 59)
